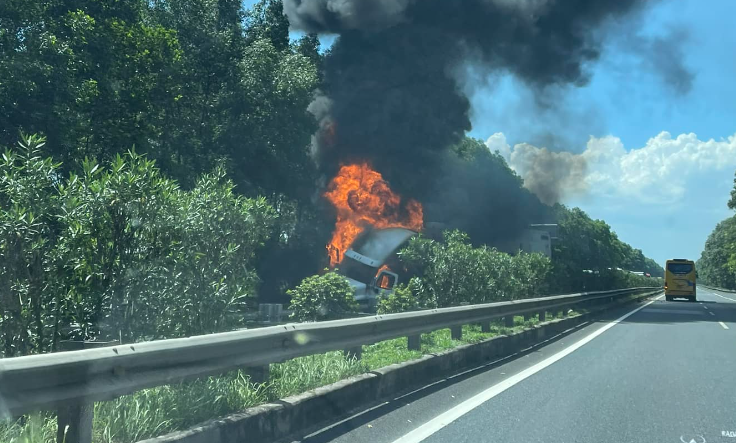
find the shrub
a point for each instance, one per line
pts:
(322, 297)
(401, 300)
(453, 271)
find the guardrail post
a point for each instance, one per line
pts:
(485, 327)
(353, 353)
(542, 316)
(74, 421)
(259, 374)
(527, 316)
(509, 321)
(456, 332)
(414, 342)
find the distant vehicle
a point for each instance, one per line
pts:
(679, 279)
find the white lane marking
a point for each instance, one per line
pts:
(705, 307)
(723, 324)
(432, 426)
(711, 313)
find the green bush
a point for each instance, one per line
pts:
(322, 297)
(400, 300)
(453, 271)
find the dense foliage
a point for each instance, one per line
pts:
(402, 299)
(717, 264)
(322, 297)
(120, 252)
(451, 272)
(185, 81)
(590, 256)
(191, 84)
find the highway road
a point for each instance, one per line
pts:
(652, 372)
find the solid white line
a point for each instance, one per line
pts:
(447, 417)
(723, 324)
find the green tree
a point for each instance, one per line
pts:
(211, 35)
(94, 77)
(590, 245)
(266, 130)
(732, 201)
(322, 297)
(29, 207)
(266, 20)
(717, 264)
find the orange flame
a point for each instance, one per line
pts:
(363, 198)
(384, 280)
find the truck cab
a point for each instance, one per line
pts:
(366, 264)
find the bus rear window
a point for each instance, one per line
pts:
(680, 268)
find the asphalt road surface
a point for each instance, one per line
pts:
(664, 373)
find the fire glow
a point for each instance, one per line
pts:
(384, 283)
(363, 199)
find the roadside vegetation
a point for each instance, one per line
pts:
(717, 264)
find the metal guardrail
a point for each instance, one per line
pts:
(53, 381)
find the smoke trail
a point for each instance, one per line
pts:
(394, 94)
(549, 175)
(393, 76)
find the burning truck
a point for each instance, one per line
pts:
(372, 223)
(371, 264)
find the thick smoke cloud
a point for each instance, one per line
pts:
(549, 175)
(395, 80)
(481, 198)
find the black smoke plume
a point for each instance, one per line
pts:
(395, 77)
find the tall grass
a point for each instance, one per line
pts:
(36, 428)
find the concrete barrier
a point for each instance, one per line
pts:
(307, 412)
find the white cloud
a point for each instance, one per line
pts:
(664, 197)
(661, 172)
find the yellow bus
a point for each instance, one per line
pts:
(679, 279)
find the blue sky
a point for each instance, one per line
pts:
(660, 162)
